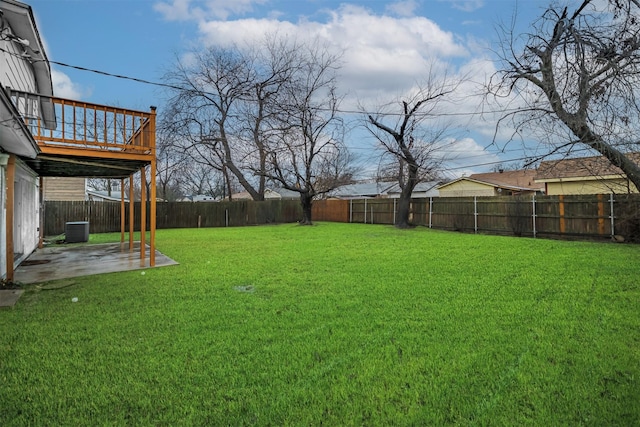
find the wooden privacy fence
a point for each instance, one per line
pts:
(599, 216)
(589, 216)
(104, 217)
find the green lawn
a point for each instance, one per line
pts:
(336, 324)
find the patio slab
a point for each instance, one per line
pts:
(9, 297)
(63, 262)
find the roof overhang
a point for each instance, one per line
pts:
(23, 25)
(490, 184)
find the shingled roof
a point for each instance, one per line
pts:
(519, 179)
(597, 166)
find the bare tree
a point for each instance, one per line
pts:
(206, 111)
(227, 112)
(578, 74)
(199, 179)
(415, 138)
(309, 156)
(171, 164)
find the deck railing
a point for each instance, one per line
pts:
(87, 126)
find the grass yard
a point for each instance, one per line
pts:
(336, 324)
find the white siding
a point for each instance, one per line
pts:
(3, 224)
(26, 212)
(17, 73)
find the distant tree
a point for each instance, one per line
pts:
(578, 74)
(413, 136)
(171, 164)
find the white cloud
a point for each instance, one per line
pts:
(63, 87)
(381, 54)
(404, 8)
(466, 5)
(184, 10)
(384, 57)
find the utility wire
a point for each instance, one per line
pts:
(183, 89)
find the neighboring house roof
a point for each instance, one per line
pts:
(361, 190)
(423, 189)
(269, 194)
(198, 198)
(581, 167)
(519, 180)
(282, 193)
(104, 195)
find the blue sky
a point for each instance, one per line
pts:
(386, 45)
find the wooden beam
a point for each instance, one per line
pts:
(131, 216)
(85, 152)
(80, 162)
(152, 198)
(11, 178)
(143, 215)
(122, 211)
(41, 213)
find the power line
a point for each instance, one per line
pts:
(183, 89)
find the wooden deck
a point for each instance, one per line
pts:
(94, 141)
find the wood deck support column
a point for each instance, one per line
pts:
(41, 213)
(143, 214)
(152, 196)
(131, 216)
(11, 178)
(122, 211)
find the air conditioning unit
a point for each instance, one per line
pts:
(76, 232)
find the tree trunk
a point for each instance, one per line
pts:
(404, 203)
(306, 200)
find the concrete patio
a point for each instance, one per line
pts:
(63, 262)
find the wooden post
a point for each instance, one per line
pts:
(600, 214)
(131, 216)
(11, 178)
(152, 197)
(122, 211)
(561, 213)
(41, 213)
(143, 213)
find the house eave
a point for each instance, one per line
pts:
(22, 22)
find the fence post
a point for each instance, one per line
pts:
(533, 215)
(561, 213)
(350, 210)
(613, 230)
(430, 210)
(475, 214)
(394, 211)
(365, 211)
(226, 217)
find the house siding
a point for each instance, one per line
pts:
(465, 188)
(16, 72)
(3, 222)
(618, 186)
(26, 212)
(64, 189)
